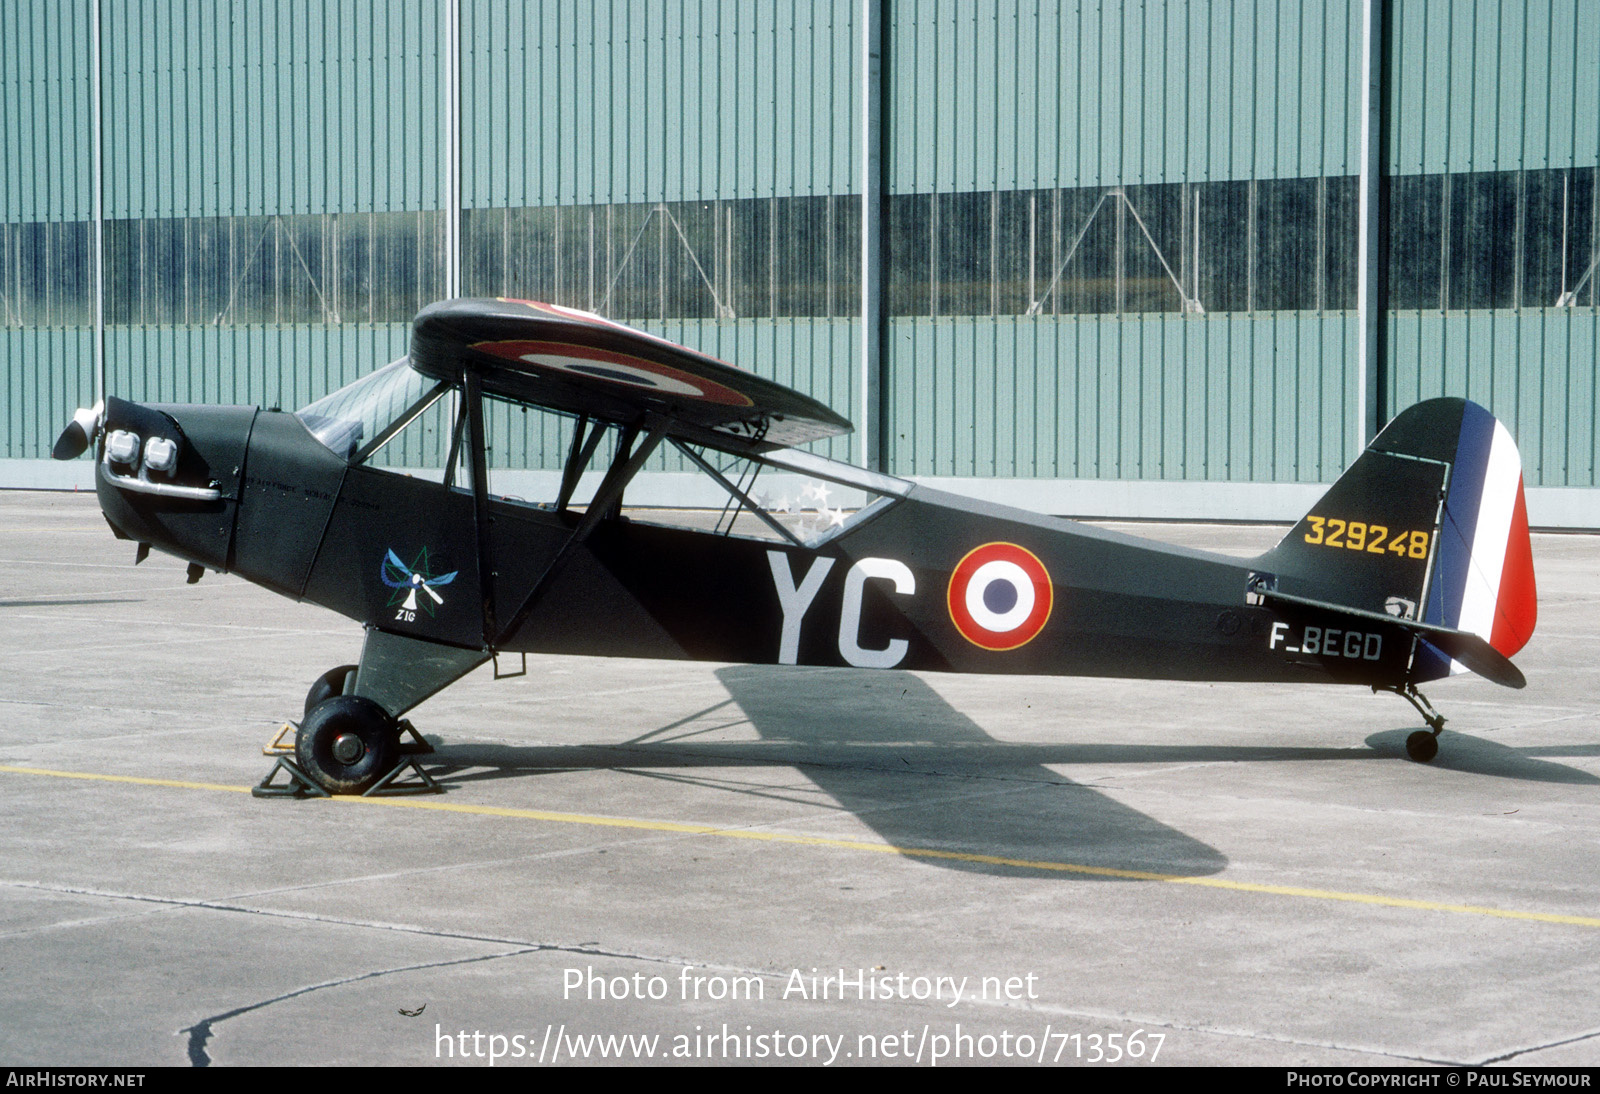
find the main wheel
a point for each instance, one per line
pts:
(1422, 746)
(328, 685)
(347, 743)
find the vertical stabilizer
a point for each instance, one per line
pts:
(1430, 523)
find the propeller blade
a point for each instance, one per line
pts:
(75, 439)
(71, 444)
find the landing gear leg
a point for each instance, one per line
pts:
(1423, 745)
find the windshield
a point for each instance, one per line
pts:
(361, 410)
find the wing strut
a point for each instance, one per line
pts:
(478, 443)
(450, 462)
(622, 471)
(578, 459)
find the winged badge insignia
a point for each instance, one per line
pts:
(407, 581)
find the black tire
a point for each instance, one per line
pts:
(347, 743)
(328, 685)
(1422, 746)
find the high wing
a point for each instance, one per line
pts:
(573, 361)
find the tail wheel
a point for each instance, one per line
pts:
(1422, 746)
(347, 743)
(329, 684)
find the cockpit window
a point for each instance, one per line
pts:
(361, 411)
(781, 496)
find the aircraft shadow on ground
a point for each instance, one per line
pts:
(895, 755)
(1478, 756)
(888, 749)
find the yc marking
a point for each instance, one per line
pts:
(795, 598)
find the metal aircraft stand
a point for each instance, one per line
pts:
(301, 785)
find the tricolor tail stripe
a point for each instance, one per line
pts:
(1519, 601)
(1483, 573)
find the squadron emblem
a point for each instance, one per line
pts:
(407, 581)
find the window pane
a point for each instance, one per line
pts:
(1482, 225)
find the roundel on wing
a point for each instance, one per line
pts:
(614, 367)
(1000, 596)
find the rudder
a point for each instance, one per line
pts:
(1483, 571)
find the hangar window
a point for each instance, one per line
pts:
(1495, 239)
(46, 277)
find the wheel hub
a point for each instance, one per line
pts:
(347, 743)
(347, 748)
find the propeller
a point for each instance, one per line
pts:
(80, 432)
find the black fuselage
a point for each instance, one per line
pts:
(402, 555)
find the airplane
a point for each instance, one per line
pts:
(1414, 565)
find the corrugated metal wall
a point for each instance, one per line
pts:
(1236, 397)
(665, 140)
(1481, 85)
(46, 209)
(1120, 234)
(1495, 123)
(1072, 100)
(1226, 135)
(45, 112)
(283, 108)
(1014, 95)
(630, 101)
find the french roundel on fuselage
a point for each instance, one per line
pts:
(1000, 596)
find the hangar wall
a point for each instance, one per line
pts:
(1119, 239)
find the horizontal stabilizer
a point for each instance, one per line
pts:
(1464, 646)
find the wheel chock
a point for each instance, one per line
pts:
(298, 786)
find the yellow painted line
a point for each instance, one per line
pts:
(93, 777)
(864, 845)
